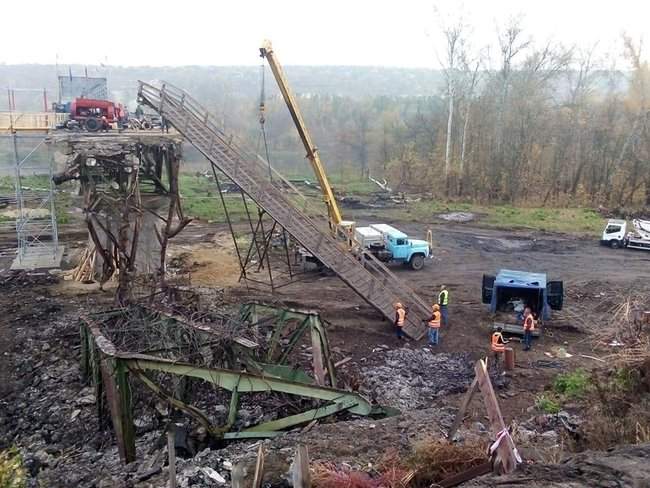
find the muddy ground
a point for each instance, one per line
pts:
(46, 411)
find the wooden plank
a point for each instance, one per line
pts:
(118, 399)
(317, 354)
(466, 475)
(469, 394)
(342, 362)
(171, 452)
(300, 468)
(505, 457)
(259, 467)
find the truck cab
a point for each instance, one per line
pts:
(389, 244)
(614, 234)
(617, 234)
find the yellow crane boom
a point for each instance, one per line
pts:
(334, 214)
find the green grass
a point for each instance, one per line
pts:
(547, 404)
(201, 200)
(349, 182)
(62, 200)
(572, 385)
(580, 221)
(625, 380)
(12, 471)
(34, 181)
(567, 220)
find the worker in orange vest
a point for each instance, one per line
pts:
(529, 327)
(400, 319)
(498, 345)
(434, 325)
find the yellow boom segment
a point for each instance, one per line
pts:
(333, 211)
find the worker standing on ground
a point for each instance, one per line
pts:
(498, 345)
(529, 327)
(400, 318)
(443, 302)
(434, 325)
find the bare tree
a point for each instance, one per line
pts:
(470, 77)
(453, 32)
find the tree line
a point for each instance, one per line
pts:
(524, 123)
(535, 124)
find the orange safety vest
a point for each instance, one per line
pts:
(497, 342)
(435, 321)
(401, 315)
(529, 323)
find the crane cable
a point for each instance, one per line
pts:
(262, 120)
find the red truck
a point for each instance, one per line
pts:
(93, 115)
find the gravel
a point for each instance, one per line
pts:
(414, 378)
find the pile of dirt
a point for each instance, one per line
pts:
(457, 216)
(408, 379)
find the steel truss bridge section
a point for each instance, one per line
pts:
(380, 288)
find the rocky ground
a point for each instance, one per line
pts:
(625, 466)
(413, 378)
(50, 415)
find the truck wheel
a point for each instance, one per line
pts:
(614, 244)
(417, 262)
(92, 125)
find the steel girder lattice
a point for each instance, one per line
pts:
(160, 350)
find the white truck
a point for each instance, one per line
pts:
(616, 234)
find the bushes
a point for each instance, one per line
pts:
(12, 471)
(434, 460)
(430, 461)
(547, 404)
(572, 385)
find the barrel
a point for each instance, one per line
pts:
(509, 363)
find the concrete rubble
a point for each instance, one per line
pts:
(412, 378)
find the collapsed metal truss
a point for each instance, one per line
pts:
(292, 325)
(111, 371)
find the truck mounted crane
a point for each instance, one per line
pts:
(382, 241)
(333, 212)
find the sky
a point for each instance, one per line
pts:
(398, 33)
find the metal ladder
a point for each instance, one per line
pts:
(380, 288)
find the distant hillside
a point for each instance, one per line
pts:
(211, 83)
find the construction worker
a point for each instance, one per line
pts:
(400, 319)
(434, 325)
(498, 345)
(443, 301)
(529, 327)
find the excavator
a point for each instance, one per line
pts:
(383, 241)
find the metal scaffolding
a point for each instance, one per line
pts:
(29, 160)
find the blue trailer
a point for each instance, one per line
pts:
(510, 291)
